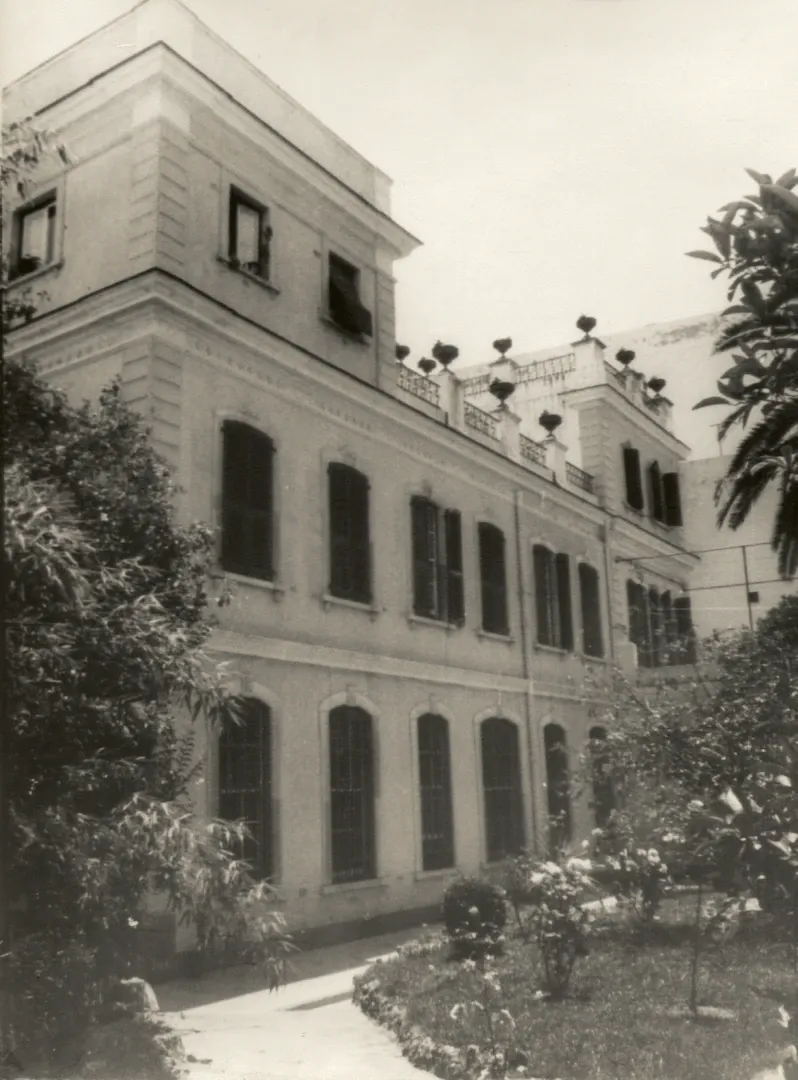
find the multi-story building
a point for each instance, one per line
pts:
(418, 583)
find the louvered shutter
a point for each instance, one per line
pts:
(424, 526)
(454, 605)
(592, 644)
(634, 485)
(247, 501)
(493, 578)
(655, 487)
(673, 502)
(346, 307)
(565, 614)
(541, 564)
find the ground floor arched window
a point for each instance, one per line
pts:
(245, 782)
(603, 790)
(558, 787)
(435, 778)
(352, 818)
(501, 782)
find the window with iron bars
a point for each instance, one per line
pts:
(437, 827)
(245, 782)
(501, 783)
(352, 824)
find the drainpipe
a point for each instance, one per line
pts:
(530, 741)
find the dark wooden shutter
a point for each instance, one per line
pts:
(683, 610)
(501, 780)
(245, 783)
(346, 308)
(424, 526)
(655, 620)
(634, 483)
(557, 787)
(673, 501)
(541, 563)
(592, 638)
(493, 578)
(352, 795)
(655, 487)
(565, 614)
(437, 831)
(247, 501)
(350, 571)
(454, 605)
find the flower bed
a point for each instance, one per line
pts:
(623, 1016)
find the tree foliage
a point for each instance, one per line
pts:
(756, 246)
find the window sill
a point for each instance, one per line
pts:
(441, 624)
(594, 659)
(40, 271)
(277, 591)
(633, 510)
(447, 874)
(328, 601)
(555, 649)
(491, 635)
(348, 335)
(353, 886)
(263, 282)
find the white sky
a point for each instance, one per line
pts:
(555, 156)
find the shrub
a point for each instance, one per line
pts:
(474, 913)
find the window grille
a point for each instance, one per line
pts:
(501, 780)
(245, 782)
(352, 795)
(437, 829)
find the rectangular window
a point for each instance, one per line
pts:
(249, 235)
(352, 795)
(437, 831)
(640, 623)
(33, 237)
(683, 612)
(343, 298)
(437, 561)
(350, 550)
(655, 488)
(493, 576)
(672, 497)
(247, 501)
(553, 598)
(589, 592)
(634, 481)
(501, 786)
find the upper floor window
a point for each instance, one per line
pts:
(247, 501)
(672, 499)
(655, 489)
(590, 596)
(33, 237)
(553, 598)
(245, 783)
(437, 561)
(249, 235)
(434, 765)
(633, 477)
(343, 298)
(350, 554)
(493, 576)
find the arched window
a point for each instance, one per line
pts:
(352, 794)
(350, 551)
(247, 501)
(557, 786)
(603, 792)
(434, 766)
(245, 782)
(501, 781)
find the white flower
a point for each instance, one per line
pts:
(653, 855)
(581, 866)
(695, 805)
(132, 923)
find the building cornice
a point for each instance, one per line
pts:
(631, 412)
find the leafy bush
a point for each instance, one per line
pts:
(474, 913)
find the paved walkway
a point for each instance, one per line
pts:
(310, 1030)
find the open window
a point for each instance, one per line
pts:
(437, 561)
(33, 242)
(249, 235)
(343, 298)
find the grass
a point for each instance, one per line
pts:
(615, 1022)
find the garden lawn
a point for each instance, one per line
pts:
(615, 1022)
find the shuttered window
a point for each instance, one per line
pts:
(632, 475)
(669, 634)
(639, 622)
(601, 774)
(245, 782)
(493, 577)
(437, 830)
(247, 501)
(655, 489)
(501, 780)
(437, 561)
(350, 550)
(352, 794)
(658, 650)
(558, 787)
(683, 610)
(590, 596)
(672, 497)
(553, 598)
(345, 306)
